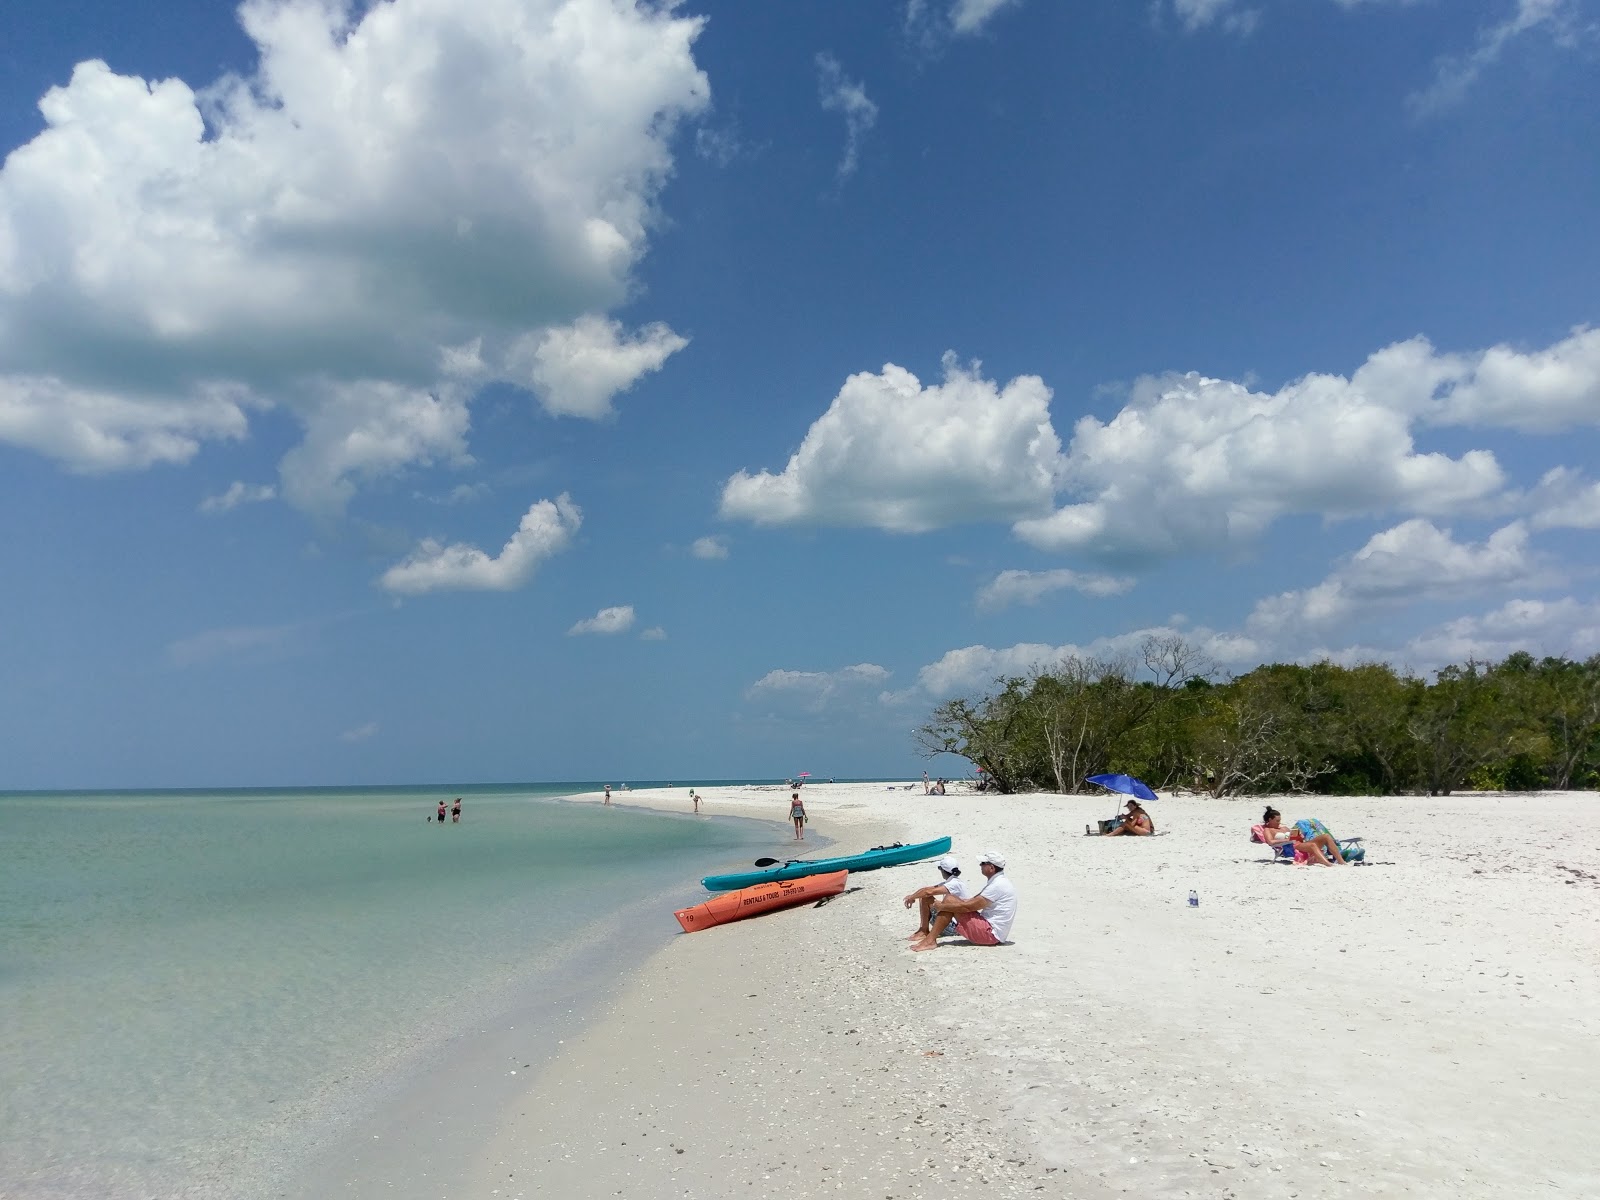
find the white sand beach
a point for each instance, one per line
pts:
(1427, 1024)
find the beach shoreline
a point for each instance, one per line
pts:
(1423, 1025)
(418, 1128)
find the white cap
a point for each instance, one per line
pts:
(949, 863)
(994, 858)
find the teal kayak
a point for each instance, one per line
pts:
(867, 860)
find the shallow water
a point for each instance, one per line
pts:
(184, 975)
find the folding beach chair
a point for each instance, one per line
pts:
(1351, 848)
(1282, 852)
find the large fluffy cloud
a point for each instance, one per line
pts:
(546, 529)
(1413, 561)
(1190, 463)
(1543, 391)
(895, 455)
(424, 198)
(1193, 462)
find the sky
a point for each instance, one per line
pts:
(574, 389)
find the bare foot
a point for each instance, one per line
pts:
(927, 943)
(921, 933)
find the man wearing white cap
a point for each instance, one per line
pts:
(951, 885)
(983, 918)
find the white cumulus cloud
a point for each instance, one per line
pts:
(1565, 499)
(1194, 463)
(363, 431)
(577, 369)
(894, 455)
(402, 200)
(1567, 627)
(1413, 561)
(1029, 587)
(546, 529)
(1543, 391)
(94, 429)
(617, 619)
(653, 634)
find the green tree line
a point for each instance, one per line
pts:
(1167, 716)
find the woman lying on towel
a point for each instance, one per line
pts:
(1318, 846)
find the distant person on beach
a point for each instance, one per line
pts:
(927, 898)
(985, 917)
(608, 793)
(797, 814)
(455, 812)
(1318, 848)
(926, 790)
(1135, 823)
(693, 796)
(441, 812)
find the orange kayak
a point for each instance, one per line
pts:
(762, 898)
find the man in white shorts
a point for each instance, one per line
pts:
(985, 917)
(951, 885)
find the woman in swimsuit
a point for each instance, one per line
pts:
(1136, 824)
(1319, 848)
(797, 814)
(455, 812)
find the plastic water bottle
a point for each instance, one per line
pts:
(1194, 898)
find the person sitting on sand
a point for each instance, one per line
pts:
(797, 814)
(1318, 848)
(1135, 823)
(984, 918)
(951, 884)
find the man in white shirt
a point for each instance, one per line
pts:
(985, 917)
(951, 884)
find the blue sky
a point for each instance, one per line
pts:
(541, 390)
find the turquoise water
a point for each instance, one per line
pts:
(186, 974)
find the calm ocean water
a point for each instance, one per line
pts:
(186, 974)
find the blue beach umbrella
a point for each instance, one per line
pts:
(1126, 784)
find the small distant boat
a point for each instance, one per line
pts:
(763, 898)
(867, 860)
